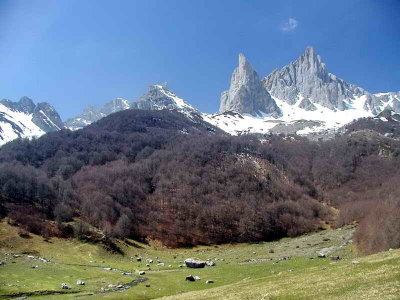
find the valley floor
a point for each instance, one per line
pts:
(285, 269)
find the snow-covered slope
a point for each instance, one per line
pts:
(24, 119)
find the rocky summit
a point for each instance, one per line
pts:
(246, 93)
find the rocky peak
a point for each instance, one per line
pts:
(306, 80)
(159, 97)
(26, 105)
(246, 93)
(115, 105)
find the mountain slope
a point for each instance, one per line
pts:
(24, 119)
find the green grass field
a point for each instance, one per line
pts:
(242, 271)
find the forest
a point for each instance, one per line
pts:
(164, 176)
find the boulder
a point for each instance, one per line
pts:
(65, 286)
(210, 263)
(189, 278)
(193, 263)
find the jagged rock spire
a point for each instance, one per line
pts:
(246, 94)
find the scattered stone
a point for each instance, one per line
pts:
(254, 253)
(189, 278)
(107, 269)
(35, 267)
(2, 263)
(209, 281)
(335, 258)
(326, 239)
(210, 263)
(43, 260)
(150, 261)
(147, 285)
(142, 272)
(193, 263)
(160, 265)
(196, 278)
(355, 262)
(80, 282)
(169, 266)
(65, 286)
(139, 259)
(147, 265)
(111, 286)
(271, 251)
(120, 286)
(30, 256)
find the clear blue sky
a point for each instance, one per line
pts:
(72, 53)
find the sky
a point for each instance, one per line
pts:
(73, 53)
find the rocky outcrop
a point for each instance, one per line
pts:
(246, 93)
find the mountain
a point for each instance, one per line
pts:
(310, 100)
(26, 119)
(307, 84)
(246, 93)
(158, 97)
(301, 98)
(94, 113)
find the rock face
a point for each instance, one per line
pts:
(26, 119)
(246, 93)
(94, 113)
(159, 97)
(308, 78)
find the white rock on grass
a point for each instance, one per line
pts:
(65, 286)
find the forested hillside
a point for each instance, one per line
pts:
(161, 175)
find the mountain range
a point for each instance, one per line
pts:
(302, 98)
